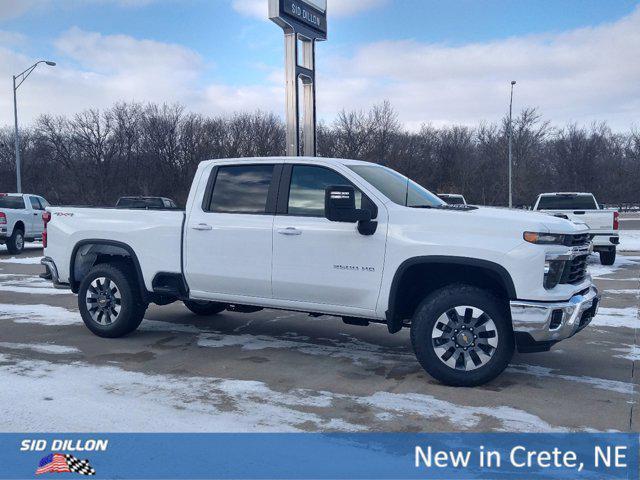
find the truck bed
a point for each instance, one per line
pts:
(154, 236)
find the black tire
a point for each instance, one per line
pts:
(15, 243)
(204, 308)
(608, 257)
(426, 321)
(131, 305)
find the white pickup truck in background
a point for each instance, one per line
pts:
(583, 208)
(20, 220)
(334, 237)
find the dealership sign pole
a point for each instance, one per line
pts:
(304, 22)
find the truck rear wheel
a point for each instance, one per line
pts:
(608, 257)
(15, 243)
(462, 336)
(205, 308)
(110, 302)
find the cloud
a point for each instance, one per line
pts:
(583, 75)
(338, 8)
(15, 8)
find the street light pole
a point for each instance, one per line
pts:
(22, 76)
(513, 82)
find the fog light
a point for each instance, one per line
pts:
(556, 319)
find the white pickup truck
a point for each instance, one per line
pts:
(335, 237)
(20, 220)
(583, 208)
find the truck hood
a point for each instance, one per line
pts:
(529, 221)
(500, 222)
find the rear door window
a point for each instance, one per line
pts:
(241, 189)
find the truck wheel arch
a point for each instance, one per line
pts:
(95, 248)
(498, 277)
(19, 225)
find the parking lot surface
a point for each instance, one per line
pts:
(283, 371)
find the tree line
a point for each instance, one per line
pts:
(95, 157)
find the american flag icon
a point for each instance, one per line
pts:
(64, 463)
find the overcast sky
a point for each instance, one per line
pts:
(440, 62)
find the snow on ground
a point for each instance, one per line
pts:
(28, 284)
(39, 314)
(41, 348)
(602, 383)
(616, 317)
(630, 352)
(597, 270)
(40, 400)
(22, 260)
(629, 241)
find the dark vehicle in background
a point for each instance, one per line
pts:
(146, 203)
(452, 198)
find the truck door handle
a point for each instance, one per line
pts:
(579, 213)
(289, 231)
(202, 227)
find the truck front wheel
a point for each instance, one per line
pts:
(462, 335)
(110, 302)
(205, 308)
(608, 257)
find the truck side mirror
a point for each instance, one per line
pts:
(340, 206)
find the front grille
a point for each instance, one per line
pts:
(577, 239)
(575, 270)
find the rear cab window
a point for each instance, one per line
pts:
(12, 202)
(567, 202)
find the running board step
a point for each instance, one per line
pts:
(359, 322)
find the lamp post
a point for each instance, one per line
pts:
(17, 81)
(513, 82)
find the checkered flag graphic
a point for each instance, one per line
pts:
(79, 466)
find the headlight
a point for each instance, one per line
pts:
(544, 238)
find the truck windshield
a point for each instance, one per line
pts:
(567, 202)
(7, 201)
(396, 187)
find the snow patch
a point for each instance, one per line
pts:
(597, 270)
(629, 241)
(631, 352)
(428, 407)
(29, 285)
(602, 383)
(39, 314)
(22, 260)
(41, 348)
(40, 400)
(616, 317)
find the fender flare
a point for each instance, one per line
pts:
(111, 243)
(394, 323)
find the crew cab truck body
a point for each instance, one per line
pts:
(20, 220)
(335, 237)
(583, 208)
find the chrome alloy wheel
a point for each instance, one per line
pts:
(19, 241)
(464, 338)
(104, 302)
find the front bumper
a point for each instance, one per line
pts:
(539, 325)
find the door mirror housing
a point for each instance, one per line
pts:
(340, 206)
